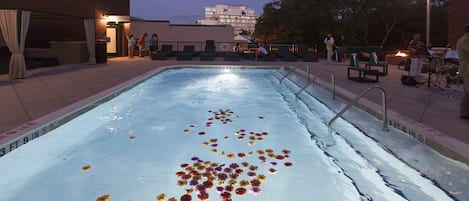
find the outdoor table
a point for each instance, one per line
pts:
(354, 50)
(373, 56)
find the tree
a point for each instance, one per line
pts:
(364, 22)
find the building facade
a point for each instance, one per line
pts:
(458, 17)
(241, 18)
(180, 35)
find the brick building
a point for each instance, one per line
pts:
(458, 16)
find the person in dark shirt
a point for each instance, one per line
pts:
(340, 43)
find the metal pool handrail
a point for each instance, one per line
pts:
(315, 78)
(385, 113)
(286, 75)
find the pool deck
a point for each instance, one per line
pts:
(46, 90)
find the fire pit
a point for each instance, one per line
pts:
(400, 59)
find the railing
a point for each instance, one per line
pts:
(385, 114)
(286, 75)
(315, 78)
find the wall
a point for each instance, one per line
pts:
(185, 34)
(458, 16)
(63, 19)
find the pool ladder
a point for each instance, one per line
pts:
(315, 78)
(385, 113)
(286, 75)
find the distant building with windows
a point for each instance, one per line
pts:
(239, 17)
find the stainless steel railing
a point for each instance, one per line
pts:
(384, 105)
(288, 73)
(315, 78)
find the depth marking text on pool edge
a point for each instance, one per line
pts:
(23, 140)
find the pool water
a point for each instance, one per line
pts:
(209, 134)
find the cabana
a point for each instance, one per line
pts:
(14, 26)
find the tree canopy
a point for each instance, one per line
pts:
(390, 23)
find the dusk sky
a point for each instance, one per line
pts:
(183, 11)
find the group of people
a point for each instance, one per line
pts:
(337, 45)
(141, 43)
(418, 51)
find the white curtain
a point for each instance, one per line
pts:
(90, 40)
(9, 27)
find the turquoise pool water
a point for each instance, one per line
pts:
(210, 134)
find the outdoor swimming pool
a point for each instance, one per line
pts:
(211, 134)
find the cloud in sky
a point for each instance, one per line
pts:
(183, 11)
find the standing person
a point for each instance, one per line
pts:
(339, 43)
(329, 41)
(416, 63)
(141, 44)
(153, 42)
(262, 51)
(463, 53)
(131, 45)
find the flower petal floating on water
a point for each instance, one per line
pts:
(251, 174)
(230, 156)
(193, 182)
(86, 168)
(180, 174)
(255, 191)
(205, 143)
(229, 189)
(172, 199)
(240, 191)
(201, 133)
(262, 178)
(186, 130)
(286, 151)
(288, 164)
(244, 183)
(280, 157)
(214, 150)
(103, 198)
(186, 197)
(232, 182)
(161, 197)
(272, 171)
(234, 165)
(181, 183)
(220, 189)
(255, 183)
(208, 184)
(253, 168)
(241, 155)
(203, 196)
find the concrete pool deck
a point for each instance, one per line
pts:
(46, 90)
